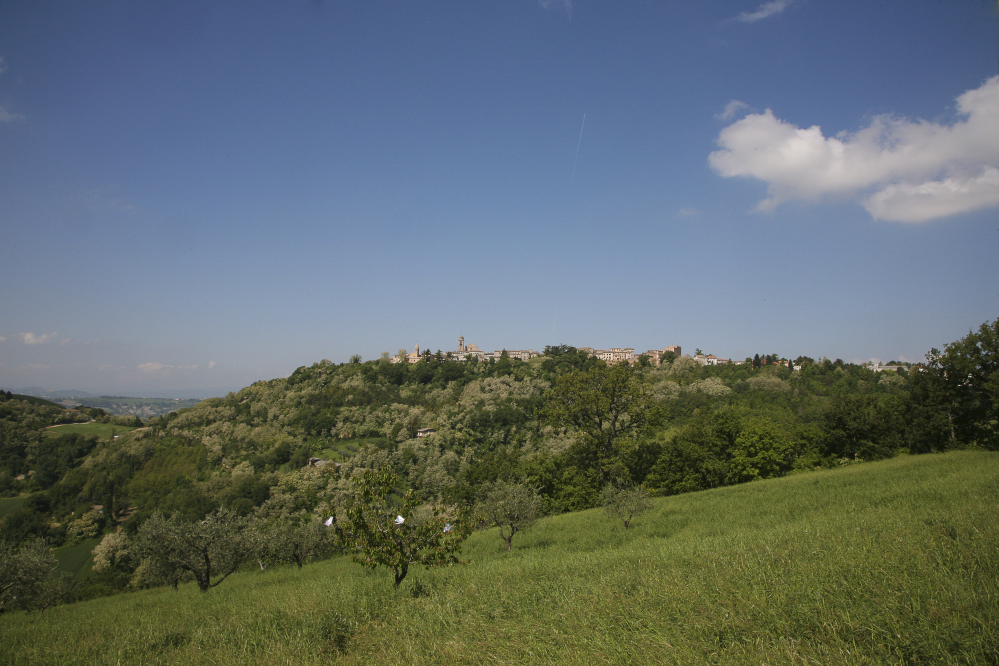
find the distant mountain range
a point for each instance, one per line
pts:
(179, 394)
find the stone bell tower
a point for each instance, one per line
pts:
(461, 343)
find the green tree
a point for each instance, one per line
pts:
(380, 534)
(625, 503)
(602, 405)
(212, 548)
(512, 507)
(963, 380)
(23, 573)
(292, 541)
(761, 451)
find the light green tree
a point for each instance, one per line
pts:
(625, 503)
(210, 549)
(24, 572)
(380, 534)
(512, 507)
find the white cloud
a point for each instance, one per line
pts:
(3, 339)
(7, 117)
(549, 4)
(211, 364)
(32, 339)
(901, 170)
(731, 109)
(765, 10)
(688, 212)
(152, 368)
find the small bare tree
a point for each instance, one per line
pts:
(625, 503)
(512, 507)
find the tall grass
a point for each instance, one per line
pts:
(890, 562)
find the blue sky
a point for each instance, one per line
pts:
(200, 195)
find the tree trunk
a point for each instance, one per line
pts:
(400, 573)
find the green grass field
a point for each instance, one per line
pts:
(101, 430)
(888, 562)
(77, 559)
(11, 504)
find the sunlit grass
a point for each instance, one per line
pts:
(891, 562)
(101, 430)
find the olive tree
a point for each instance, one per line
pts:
(24, 573)
(378, 533)
(512, 507)
(290, 541)
(210, 549)
(625, 503)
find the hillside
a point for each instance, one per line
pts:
(141, 407)
(888, 562)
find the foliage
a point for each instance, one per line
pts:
(962, 382)
(625, 503)
(25, 574)
(379, 534)
(213, 547)
(602, 405)
(290, 541)
(512, 507)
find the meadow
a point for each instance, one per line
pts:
(100, 430)
(886, 562)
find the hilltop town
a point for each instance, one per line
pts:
(612, 355)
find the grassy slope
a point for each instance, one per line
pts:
(102, 430)
(77, 559)
(885, 562)
(11, 504)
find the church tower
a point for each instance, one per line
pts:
(461, 343)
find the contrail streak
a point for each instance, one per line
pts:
(578, 144)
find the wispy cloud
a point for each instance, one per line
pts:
(8, 117)
(32, 339)
(556, 4)
(5, 115)
(3, 339)
(898, 169)
(688, 212)
(766, 10)
(731, 109)
(153, 368)
(211, 364)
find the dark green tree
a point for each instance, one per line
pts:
(601, 405)
(963, 380)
